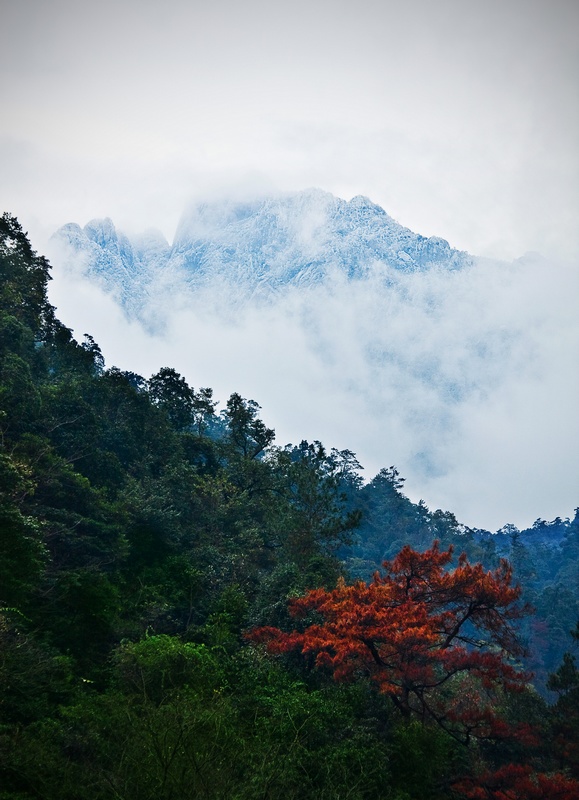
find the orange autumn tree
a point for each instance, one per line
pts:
(438, 641)
(518, 782)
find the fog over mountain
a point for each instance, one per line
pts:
(348, 327)
(255, 249)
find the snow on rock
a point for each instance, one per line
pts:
(256, 248)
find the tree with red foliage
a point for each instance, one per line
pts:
(517, 782)
(438, 641)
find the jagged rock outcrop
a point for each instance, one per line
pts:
(256, 248)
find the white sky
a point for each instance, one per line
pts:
(460, 118)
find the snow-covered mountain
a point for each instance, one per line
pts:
(255, 248)
(125, 267)
(351, 329)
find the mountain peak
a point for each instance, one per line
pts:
(101, 231)
(260, 245)
(361, 201)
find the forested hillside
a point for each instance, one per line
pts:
(545, 560)
(187, 610)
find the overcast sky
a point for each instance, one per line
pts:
(460, 118)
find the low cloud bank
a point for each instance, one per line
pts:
(467, 381)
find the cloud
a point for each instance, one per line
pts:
(465, 380)
(460, 119)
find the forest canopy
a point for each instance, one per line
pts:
(187, 609)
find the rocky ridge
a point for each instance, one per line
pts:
(256, 248)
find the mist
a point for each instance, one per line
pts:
(465, 380)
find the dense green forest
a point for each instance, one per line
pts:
(188, 611)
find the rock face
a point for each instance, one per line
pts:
(124, 267)
(256, 249)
